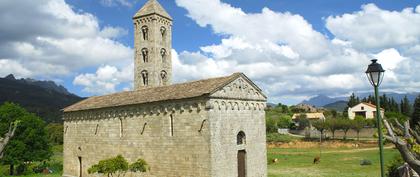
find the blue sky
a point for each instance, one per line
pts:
(292, 49)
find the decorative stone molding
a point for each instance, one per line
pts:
(235, 105)
(136, 110)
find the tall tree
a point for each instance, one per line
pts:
(30, 142)
(8, 136)
(405, 106)
(415, 117)
(357, 124)
(353, 101)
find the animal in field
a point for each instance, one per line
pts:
(317, 159)
(275, 160)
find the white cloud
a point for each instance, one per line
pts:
(288, 58)
(105, 80)
(12, 67)
(57, 40)
(375, 28)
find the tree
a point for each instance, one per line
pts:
(333, 126)
(353, 101)
(345, 125)
(357, 124)
(116, 165)
(405, 106)
(271, 125)
(284, 121)
(8, 136)
(407, 141)
(30, 142)
(321, 126)
(415, 117)
(302, 121)
(55, 133)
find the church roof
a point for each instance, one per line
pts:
(154, 94)
(152, 7)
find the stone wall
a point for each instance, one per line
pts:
(227, 118)
(145, 133)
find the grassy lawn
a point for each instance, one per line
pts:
(342, 162)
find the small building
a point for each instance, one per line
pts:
(366, 110)
(311, 116)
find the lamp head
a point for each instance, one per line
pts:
(375, 73)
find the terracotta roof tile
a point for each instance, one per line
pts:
(154, 94)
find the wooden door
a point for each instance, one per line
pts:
(241, 163)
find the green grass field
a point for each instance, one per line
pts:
(342, 162)
(293, 162)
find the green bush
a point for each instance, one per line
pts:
(392, 168)
(139, 166)
(117, 165)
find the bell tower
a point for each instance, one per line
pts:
(153, 44)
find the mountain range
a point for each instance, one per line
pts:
(339, 103)
(44, 98)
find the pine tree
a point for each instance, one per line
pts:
(353, 101)
(415, 117)
(405, 106)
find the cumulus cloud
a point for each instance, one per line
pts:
(13, 67)
(290, 60)
(105, 80)
(57, 40)
(375, 28)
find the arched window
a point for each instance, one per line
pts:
(96, 129)
(145, 54)
(163, 77)
(145, 77)
(145, 32)
(121, 128)
(163, 54)
(240, 138)
(163, 31)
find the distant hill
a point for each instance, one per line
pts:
(322, 100)
(44, 98)
(339, 106)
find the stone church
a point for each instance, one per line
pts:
(207, 128)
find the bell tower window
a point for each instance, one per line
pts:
(145, 77)
(145, 54)
(163, 31)
(163, 77)
(145, 32)
(163, 54)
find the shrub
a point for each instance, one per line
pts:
(117, 165)
(139, 166)
(392, 168)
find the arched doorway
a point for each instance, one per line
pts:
(241, 163)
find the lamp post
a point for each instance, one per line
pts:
(375, 74)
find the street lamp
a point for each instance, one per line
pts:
(375, 74)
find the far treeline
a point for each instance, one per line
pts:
(280, 116)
